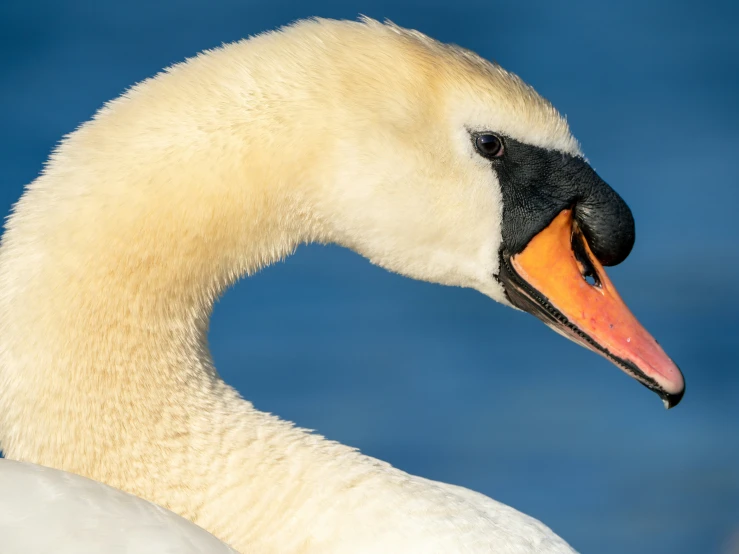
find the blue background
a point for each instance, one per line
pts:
(443, 382)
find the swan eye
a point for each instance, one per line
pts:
(490, 146)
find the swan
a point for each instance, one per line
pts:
(423, 157)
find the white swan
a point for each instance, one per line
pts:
(426, 159)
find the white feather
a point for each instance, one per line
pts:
(45, 510)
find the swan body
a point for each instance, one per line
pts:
(55, 511)
(357, 133)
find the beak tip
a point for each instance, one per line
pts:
(671, 400)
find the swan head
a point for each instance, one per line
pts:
(452, 170)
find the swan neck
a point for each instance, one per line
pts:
(113, 258)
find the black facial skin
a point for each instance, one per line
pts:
(538, 184)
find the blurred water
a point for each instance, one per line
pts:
(442, 382)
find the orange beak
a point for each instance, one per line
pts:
(559, 279)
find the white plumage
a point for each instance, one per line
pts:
(44, 510)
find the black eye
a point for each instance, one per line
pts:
(490, 146)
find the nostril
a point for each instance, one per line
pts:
(587, 269)
(591, 280)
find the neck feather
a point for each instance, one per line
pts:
(109, 268)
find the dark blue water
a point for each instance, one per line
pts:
(443, 382)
